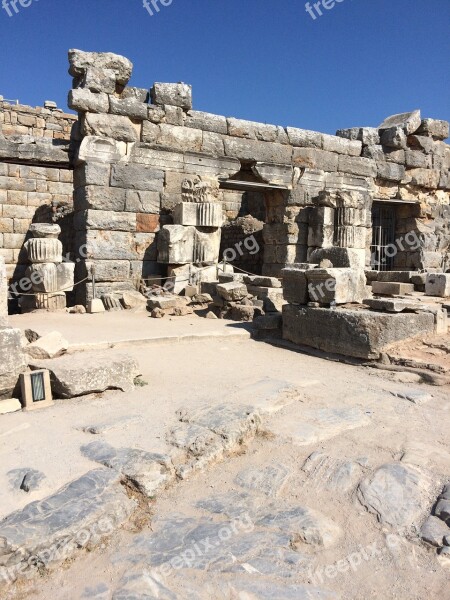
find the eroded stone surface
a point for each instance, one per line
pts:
(268, 480)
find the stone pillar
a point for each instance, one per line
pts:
(50, 277)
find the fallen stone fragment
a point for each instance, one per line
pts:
(397, 493)
(79, 309)
(26, 480)
(157, 313)
(148, 471)
(79, 515)
(48, 346)
(211, 315)
(9, 406)
(409, 122)
(433, 531)
(232, 291)
(268, 480)
(89, 372)
(133, 300)
(32, 336)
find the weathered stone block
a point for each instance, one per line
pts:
(427, 178)
(395, 137)
(108, 270)
(116, 127)
(128, 107)
(256, 131)
(408, 122)
(333, 143)
(12, 360)
(261, 151)
(315, 159)
(340, 257)
(83, 100)
(206, 214)
(99, 149)
(336, 285)
(357, 166)
(92, 173)
(232, 291)
(99, 80)
(438, 284)
(176, 244)
(105, 220)
(206, 122)
(295, 286)
(81, 61)
(369, 136)
(99, 198)
(361, 334)
(391, 288)
(304, 138)
(172, 137)
(174, 94)
(275, 174)
(48, 346)
(137, 177)
(43, 277)
(147, 223)
(417, 159)
(396, 276)
(390, 171)
(143, 202)
(438, 130)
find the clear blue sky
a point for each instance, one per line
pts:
(264, 60)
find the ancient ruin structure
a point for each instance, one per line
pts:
(162, 190)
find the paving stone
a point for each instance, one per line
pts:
(141, 585)
(109, 425)
(304, 525)
(433, 531)
(99, 592)
(414, 396)
(26, 480)
(268, 480)
(231, 504)
(397, 494)
(79, 514)
(321, 424)
(148, 471)
(89, 372)
(327, 472)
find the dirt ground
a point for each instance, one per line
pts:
(304, 389)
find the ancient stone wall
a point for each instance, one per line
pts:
(36, 184)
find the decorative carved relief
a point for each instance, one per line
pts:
(196, 190)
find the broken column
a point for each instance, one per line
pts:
(195, 236)
(49, 276)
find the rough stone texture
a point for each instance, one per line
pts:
(409, 122)
(26, 480)
(232, 291)
(367, 135)
(438, 284)
(89, 372)
(83, 100)
(117, 127)
(147, 471)
(81, 61)
(3, 294)
(268, 480)
(391, 288)
(173, 94)
(397, 493)
(12, 360)
(52, 529)
(48, 346)
(295, 286)
(361, 334)
(340, 257)
(433, 531)
(340, 286)
(439, 130)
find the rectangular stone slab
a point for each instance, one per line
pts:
(392, 288)
(356, 333)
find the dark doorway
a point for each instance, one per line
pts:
(383, 237)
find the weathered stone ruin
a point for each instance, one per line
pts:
(164, 193)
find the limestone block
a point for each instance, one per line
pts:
(422, 142)
(141, 94)
(390, 171)
(232, 291)
(51, 302)
(44, 250)
(3, 293)
(408, 122)
(332, 143)
(357, 166)
(95, 306)
(147, 223)
(43, 277)
(83, 100)
(48, 346)
(274, 174)
(396, 276)
(438, 130)
(361, 334)
(206, 246)
(369, 136)
(304, 138)
(392, 288)
(260, 151)
(99, 149)
(10, 406)
(117, 127)
(81, 61)
(417, 159)
(428, 178)
(65, 276)
(340, 257)
(206, 214)
(44, 230)
(92, 173)
(99, 80)
(438, 284)
(315, 159)
(99, 198)
(128, 107)
(206, 122)
(336, 285)
(395, 137)
(133, 300)
(137, 177)
(173, 137)
(143, 202)
(295, 286)
(176, 244)
(12, 360)
(256, 131)
(105, 220)
(260, 281)
(174, 94)
(213, 144)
